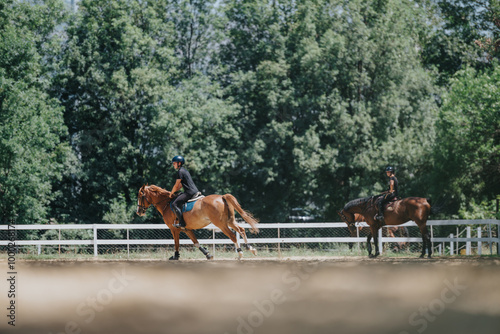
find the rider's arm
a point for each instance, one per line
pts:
(177, 186)
(391, 189)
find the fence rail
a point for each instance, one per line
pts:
(277, 234)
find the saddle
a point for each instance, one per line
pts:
(188, 206)
(196, 197)
(389, 206)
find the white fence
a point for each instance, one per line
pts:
(469, 234)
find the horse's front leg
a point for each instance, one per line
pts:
(193, 238)
(176, 235)
(369, 244)
(375, 241)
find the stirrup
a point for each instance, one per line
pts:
(178, 225)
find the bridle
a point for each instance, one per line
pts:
(344, 218)
(367, 205)
(142, 208)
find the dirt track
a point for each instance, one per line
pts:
(321, 295)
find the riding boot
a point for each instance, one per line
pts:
(181, 223)
(380, 216)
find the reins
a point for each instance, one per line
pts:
(144, 198)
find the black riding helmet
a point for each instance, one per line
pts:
(389, 169)
(178, 158)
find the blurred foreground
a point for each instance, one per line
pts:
(297, 295)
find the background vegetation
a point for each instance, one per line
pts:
(282, 103)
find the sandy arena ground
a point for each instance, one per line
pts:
(296, 295)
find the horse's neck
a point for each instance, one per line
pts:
(161, 202)
(357, 209)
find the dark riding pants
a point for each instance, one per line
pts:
(386, 199)
(180, 200)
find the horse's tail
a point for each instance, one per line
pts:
(434, 209)
(232, 203)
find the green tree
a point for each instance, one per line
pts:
(134, 99)
(117, 64)
(333, 91)
(468, 154)
(32, 154)
(463, 33)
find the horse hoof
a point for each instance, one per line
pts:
(210, 257)
(422, 256)
(254, 252)
(173, 258)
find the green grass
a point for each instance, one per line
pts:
(189, 252)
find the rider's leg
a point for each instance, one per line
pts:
(177, 206)
(380, 205)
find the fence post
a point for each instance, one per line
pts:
(128, 245)
(95, 240)
(451, 244)
(380, 240)
(279, 242)
(468, 243)
(490, 242)
(213, 241)
(498, 235)
(479, 243)
(357, 236)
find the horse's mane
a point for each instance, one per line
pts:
(357, 202)
(158, 191)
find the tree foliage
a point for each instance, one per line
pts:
(282, 103)
(469, 135)
(32, 152)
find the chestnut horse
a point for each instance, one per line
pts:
(216, 209)
(406, 209)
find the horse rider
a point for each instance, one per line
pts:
(389, 194)
(183, 180)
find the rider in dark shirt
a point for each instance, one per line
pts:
(389, 194)
(183, 180)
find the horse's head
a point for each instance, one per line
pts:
(347, 217)
(143, 202)
(151, 195)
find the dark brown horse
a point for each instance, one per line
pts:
(391, 232)
(399, 212)
(353, 229)
(216, 209)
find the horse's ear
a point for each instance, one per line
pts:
(338, 212)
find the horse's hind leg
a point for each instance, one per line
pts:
(193, 238)
(227, 231)
(426, 239)
(243, 234)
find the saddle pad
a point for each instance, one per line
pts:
(189, 205)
